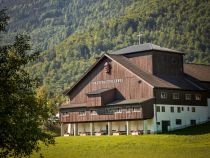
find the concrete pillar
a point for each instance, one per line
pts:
(145, 126)
(109, 128)
(127, 128)
(62, 129)
(69, 129)
(91, 128)
(75, 129)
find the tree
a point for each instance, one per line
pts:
(22, 112)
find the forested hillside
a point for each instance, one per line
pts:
(92, 27)
(50, 21)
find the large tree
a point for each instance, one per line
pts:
(22, 112)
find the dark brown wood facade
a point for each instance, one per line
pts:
(108, 113)
(167, 64)
(127, 84)
(142, 60)
(182, 100)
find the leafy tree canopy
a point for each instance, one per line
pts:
(22, 112)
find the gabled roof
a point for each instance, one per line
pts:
(142, 48)
(198, 71)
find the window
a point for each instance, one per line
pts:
(197, 97)
(193, 109)
(136, 109)
(187, 96)
(188, 108)
(128, 110)
(193, 122)
(65, 113)
(178, 109)
(172, 109)
(182, 108)
(163, 95)
(158, 108)
(93, 112)
(178, 121)
(118, 110)
(158, 123)
(163, 108)
(82, 113)
(175, 95)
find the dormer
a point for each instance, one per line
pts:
(101, 97)
(154, 59)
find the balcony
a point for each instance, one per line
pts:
(113, 112)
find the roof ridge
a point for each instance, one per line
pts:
(142, 48)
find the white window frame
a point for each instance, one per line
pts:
(136, 109)
(173, 109)
(82, 113)
(188, 96)
(65, 113)
(163, 95)
(198, 97)
(158, 107)
(118, 110)
(163, 107)
(178, 123)
(128, 110)
(176, 96)
(194, 109)
(93, 112)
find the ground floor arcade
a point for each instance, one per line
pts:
(134, 127)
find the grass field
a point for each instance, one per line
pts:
(179, 144)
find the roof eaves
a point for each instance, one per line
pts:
(74, 85)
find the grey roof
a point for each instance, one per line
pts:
(142, 48)
(198, 71)
(69, 105)
(129, 101)
(99, 91)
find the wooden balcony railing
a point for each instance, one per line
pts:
(88, 117)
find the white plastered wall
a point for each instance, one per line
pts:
(200, 115)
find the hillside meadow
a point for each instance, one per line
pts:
(178, 144)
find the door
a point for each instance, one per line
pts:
(193, 122)
(165, 125)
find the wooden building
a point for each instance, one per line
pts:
(139, 89)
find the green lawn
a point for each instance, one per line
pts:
(173, 145)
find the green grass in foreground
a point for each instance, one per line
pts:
(148, 146)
